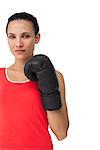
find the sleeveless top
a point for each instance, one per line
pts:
(23, 120)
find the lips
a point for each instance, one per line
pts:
(19, 51)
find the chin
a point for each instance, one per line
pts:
(23, 57)
(20, 57)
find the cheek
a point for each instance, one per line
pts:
(30, 44)
(11, 44)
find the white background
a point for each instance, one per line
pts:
(70, 36)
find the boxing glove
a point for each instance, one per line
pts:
(40, 68)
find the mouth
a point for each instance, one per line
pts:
(19, 51)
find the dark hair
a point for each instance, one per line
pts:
(25, 16)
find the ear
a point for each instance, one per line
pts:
(37, 38)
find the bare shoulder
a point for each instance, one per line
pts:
(58, 73)
(61, 83)
(62, 89)
(59, 77)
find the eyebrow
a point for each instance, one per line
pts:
(23, 33)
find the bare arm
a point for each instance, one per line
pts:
(58, 119)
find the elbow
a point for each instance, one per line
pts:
(62, 136)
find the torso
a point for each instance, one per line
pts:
(23, 120)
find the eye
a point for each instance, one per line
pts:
(11, 37)
(26, 36)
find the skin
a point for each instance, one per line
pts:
(21, 35)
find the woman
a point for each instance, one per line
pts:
(23, 120)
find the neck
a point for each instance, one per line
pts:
(19, 64)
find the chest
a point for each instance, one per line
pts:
(16, 76)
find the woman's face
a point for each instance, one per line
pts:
(21, 38)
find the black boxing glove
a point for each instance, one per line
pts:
(40, 68)
(28, 71)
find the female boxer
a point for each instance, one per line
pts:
(32, 92)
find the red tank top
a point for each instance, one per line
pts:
(23, 120)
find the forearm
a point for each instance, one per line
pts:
(59, 123)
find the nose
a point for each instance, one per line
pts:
(19, 43)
